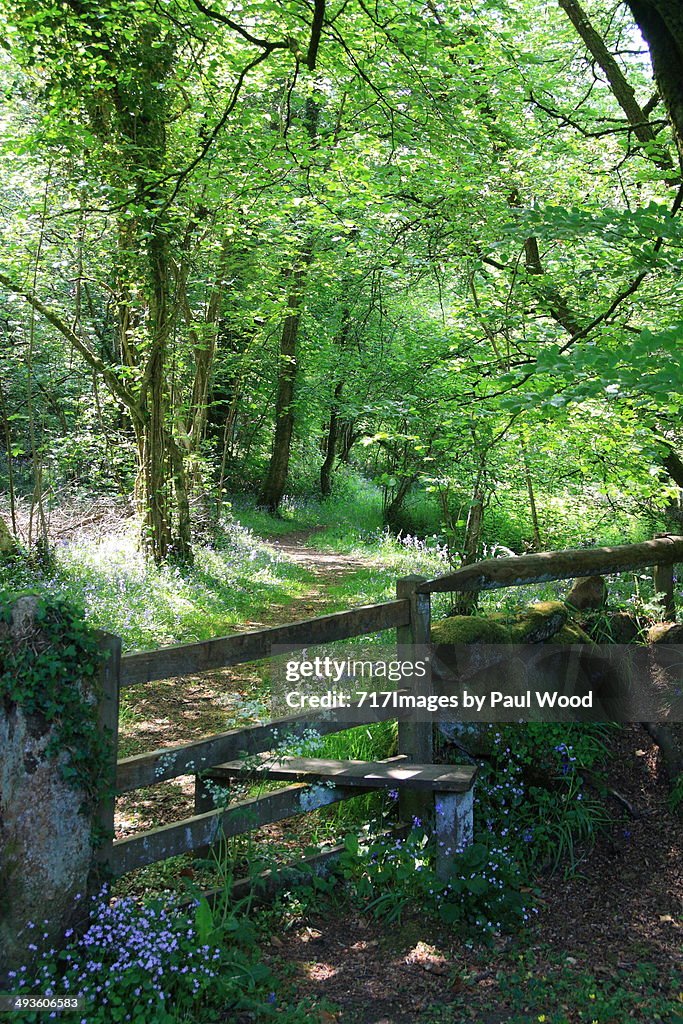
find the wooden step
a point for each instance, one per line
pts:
(397, 773)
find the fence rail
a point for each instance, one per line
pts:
(496, 573)
(189, 659)
(191, 758)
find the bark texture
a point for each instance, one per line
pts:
(661, 24)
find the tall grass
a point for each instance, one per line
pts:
(236, 579)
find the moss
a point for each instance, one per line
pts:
(571, 633)
(470, 629)
(540, 621)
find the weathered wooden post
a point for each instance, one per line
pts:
(663, 579)
(108, 722)
(453, 828)
(415, 738)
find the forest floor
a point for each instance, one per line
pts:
(584, 956)
(605, 946)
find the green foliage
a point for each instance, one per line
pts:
(482, 896)
(49, 675)
(156, 963)
(532, 791)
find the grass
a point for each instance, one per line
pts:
(236, 580)
(239, 578)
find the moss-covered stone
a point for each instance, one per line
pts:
(540, 621)
(571, 633)
(537, 623)
(470, 629)
(588, 592)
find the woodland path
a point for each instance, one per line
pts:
(329, 569)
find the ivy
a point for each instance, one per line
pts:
(53, 676)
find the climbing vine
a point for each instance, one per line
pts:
(52, 674)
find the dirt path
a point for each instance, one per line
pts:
(328, 568)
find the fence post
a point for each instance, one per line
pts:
(415, 738)
(663, 579)
(108, 719)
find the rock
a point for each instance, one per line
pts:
(537, 623)
(665, 633)
(470, 629)
(571, 633)
(587, 592)
(466, 643)
(45, 841)
(540, 622)
(46, 846)
(469, 646)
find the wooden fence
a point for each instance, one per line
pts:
(409, 615)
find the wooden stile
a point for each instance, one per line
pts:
(389, 774)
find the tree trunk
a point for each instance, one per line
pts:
(535, 529)
(331, 445)
(276, 479)
(7, 542)
(661, 23)
(673, 464)
(347, 436)
(466, 603)
(393, 508)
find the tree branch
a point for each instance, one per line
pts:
(91, 358)
(622, 91)
(211, 12)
